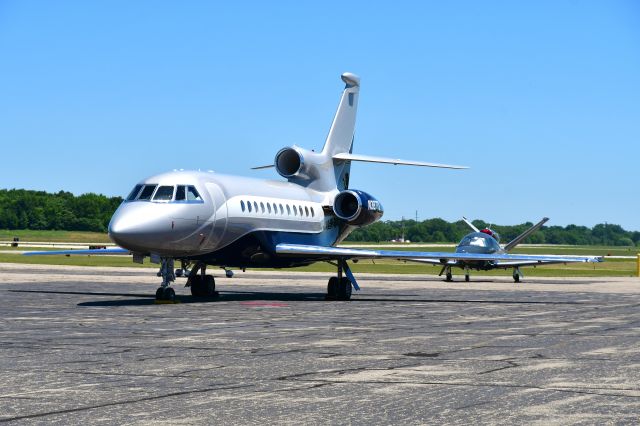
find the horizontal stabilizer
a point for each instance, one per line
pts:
(268, 166)
(395, 161)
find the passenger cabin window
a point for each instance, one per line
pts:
(288, 210)
(146, 192)
(181, 193)
(192, 194)
(164, 193)
(281, 210)
(242, 205)
(134, 193)
(249, 206)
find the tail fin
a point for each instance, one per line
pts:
(471, 225)
(517, 240)
(340, 137)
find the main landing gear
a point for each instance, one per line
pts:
(448, 275)
(201, 284)
(165, 292)
(517, 275)
(339, 288)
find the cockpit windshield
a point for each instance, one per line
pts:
(134, 192)
(479, 240)
(164, 193)
(148, 192)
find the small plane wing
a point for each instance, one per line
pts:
(322, 252)
(111, 250)
(395, 161)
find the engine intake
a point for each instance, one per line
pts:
(357, 207)
(289, 162)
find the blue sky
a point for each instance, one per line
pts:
(540, 99)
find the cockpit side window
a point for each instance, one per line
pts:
(181, 194)
(164, 193)
(146, 192)
(192, 194)
(134, 192)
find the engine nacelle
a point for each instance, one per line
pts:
(357, 207)
(297, 164)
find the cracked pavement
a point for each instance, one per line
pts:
(88, 345)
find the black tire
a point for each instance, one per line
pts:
(449, 277)
(202, 286)
(516, 278)
(160, 293)
(196, 286)
(466, 278)
(332, 288)
(209, 286)
(169, 294)
(344, 289)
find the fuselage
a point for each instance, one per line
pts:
(223, 219)
(478, 242)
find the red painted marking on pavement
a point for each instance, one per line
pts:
(260, 303)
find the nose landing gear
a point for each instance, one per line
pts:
(165, 292)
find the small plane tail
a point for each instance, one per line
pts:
(517, 240)
(471, 225)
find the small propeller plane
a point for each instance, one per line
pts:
(207, 219)
(488, 241)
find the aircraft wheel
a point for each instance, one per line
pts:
(449, 277)
(344, 289)
(169, 294)
(159, 293)
(209, 285)
(516, 278)
(178, 272)
(466, 278)
(332, 288)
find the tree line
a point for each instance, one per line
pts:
(440, 231)
(26, 209)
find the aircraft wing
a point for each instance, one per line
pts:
(329, 253)
(111, 250)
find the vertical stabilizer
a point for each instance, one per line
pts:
(340, 137)
(517, 240)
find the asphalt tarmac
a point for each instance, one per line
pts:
(90, 346)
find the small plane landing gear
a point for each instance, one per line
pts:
(340, 287)
(466, 274)
(517, 275)
(201, 284)
(448, 276)
(165, 292)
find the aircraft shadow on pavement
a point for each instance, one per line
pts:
(136, 299)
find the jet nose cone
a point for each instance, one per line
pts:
(121, 230)
(133, 228)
